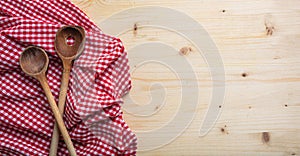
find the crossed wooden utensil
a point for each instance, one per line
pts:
(34, 62)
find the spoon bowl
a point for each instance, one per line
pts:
(34, 61)
(63, 48)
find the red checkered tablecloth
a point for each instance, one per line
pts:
(99, 79)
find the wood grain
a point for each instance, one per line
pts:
(258, 42)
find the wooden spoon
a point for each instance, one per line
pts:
(67, 53)
(34, 62)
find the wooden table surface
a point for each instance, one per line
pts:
(258, 42)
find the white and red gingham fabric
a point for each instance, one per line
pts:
(99, 78)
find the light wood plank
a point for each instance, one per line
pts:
(266, 99)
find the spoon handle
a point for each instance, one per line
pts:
(56, 113)
(61, 107)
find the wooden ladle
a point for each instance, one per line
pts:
(34, 62)
(67, 53)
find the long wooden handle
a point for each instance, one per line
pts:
(61, 106)
(57, 115)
